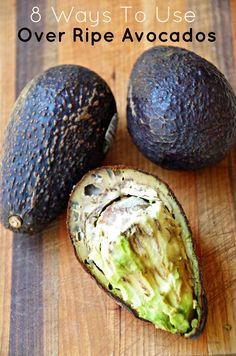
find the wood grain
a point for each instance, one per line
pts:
(48, 305)
(7, 75)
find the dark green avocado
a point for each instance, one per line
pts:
(59, 128)
(131, 235)
(181, 111)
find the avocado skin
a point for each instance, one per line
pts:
(181, 111)
(203, 298)
(56, 133)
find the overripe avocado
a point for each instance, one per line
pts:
(131, 235)
(181, 111)
(58, 130)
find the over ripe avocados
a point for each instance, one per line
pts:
(181, 111)
(131, 235)
(58, 130)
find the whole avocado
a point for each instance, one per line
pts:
(181, 110)
(58, 130)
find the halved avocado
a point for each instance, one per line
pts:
(131, 234)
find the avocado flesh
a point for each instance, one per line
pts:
(138, 246)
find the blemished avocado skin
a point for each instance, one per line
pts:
(100, 195)
(181, 110)
(56, 133)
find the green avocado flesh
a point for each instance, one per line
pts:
(131, 235)
(138, 246)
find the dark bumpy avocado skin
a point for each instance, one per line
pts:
(56, 133)
(181, 110)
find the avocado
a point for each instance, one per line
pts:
(181, 111)
(60, 127)
(131, 235)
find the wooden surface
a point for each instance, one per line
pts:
(48, 305)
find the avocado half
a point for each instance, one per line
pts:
(60, 127)
(181, 110)
(131, 235)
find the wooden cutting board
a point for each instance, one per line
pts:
(48, 305)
